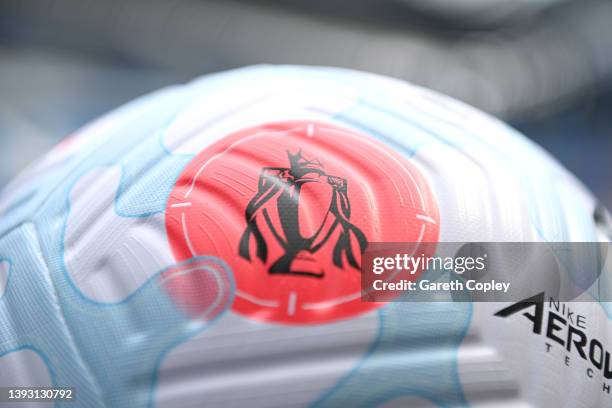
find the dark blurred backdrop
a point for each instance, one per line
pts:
(545, 66)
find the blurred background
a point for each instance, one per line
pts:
(544, 66)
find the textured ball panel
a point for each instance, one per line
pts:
(109, 256)
(24, 368)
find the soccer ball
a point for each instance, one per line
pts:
(201, 246)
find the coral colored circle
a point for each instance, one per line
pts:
(290, 206)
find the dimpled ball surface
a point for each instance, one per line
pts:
(200, 246)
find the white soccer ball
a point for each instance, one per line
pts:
(200, 247)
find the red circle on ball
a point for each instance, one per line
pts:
(290, 206)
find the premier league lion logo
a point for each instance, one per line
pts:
(276, 209)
